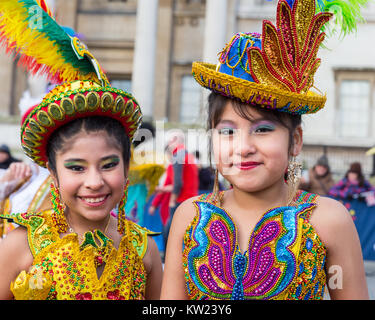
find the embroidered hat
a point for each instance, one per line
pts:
(276, 69)
(83, 89)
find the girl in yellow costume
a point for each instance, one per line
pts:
(262, 239)
(82, 132)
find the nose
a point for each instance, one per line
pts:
(244, 144)
(94, 179)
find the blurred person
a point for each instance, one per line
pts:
(144, 174)
(26, 185)
(6, 157)
(185, 175)
(163, 193)
(319, 179)
(206, 176)
(160, 202)
(352, 185)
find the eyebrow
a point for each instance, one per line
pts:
(101, 159)
(225, 121)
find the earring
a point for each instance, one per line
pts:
(121, 218)
(216, 196)
(293, 178)
(58, 216)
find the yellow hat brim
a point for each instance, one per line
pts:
(255, 93)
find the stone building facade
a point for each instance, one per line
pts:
(147, 47)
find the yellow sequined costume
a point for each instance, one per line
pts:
(63, 269)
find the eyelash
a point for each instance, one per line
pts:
(106, 166)
(110, 165)
(264, 129)
(75, 168)
(259, 129)
(226, 131)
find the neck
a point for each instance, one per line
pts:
(262, 200)
(81, 225)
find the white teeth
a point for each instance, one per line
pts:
(94, 200)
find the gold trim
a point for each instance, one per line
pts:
(29, 133)
(36, 127)
(68, 106)
(119, 104)
(55, 112)
(78, 99)
(107, 101)
(90, 102)
(44, 119)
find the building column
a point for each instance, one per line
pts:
(143, 78)
(214, 38)
(215, 29)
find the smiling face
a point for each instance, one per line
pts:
(252, 154)
(90, 175)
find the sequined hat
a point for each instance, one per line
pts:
(274, 69)
(83, 89)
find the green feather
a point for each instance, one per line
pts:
(347, 14)
(53, 32)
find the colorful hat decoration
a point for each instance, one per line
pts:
(86, 90)
(276, 69)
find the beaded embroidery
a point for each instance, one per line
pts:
(63, 269)
(285, 257)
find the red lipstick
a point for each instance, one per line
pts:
(248, 165)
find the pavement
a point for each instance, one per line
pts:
(370, 276)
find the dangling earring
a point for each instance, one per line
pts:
(215, 197)
(293, 178)
(58, 216)
(121, 218)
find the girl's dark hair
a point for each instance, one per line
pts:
(217, 103)
(356, 167)
(114, 129)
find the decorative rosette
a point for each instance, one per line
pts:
(34, 285)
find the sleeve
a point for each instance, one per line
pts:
(157, 199)
(177, 178)
(178, 166)
(138, 237)
(6, 188)
(339, 190)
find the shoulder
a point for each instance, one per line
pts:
(331, 211)
(15, 248)
(331, 220)
(185, 213)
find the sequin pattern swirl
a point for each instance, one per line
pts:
(215, 268)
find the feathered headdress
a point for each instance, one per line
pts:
(28, 29)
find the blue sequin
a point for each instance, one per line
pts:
(313, 274)
(323, 263)
(298, 291)
(316, 287)
(301, 268)
(239, 270)
(307, 296)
